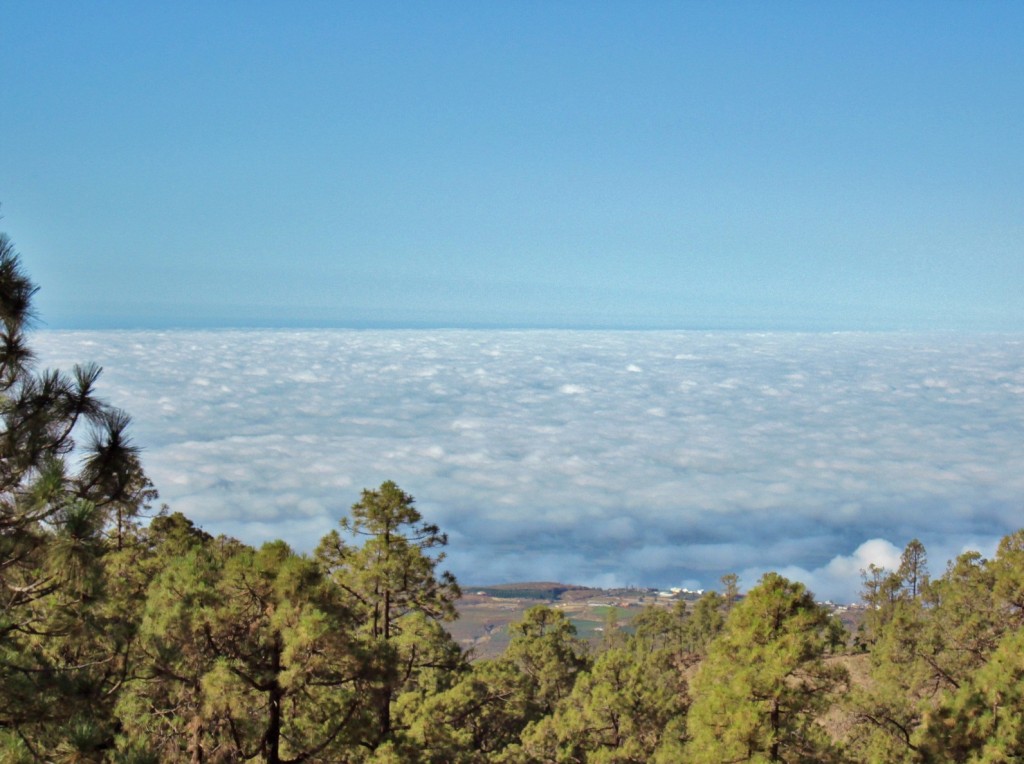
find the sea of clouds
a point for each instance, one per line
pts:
(592, 457)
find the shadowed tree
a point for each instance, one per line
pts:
(731, 590)
(250, 654)
(56, 524)
(913, 570)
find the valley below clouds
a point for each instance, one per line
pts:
(590, 457)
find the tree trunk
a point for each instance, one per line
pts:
(774, 752)
(272, 737)
(196, 744)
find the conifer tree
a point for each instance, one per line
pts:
(982, 720)
(249, 653)
(65, 501)
(475, 720)
(913, 570)
(925, 649)
(545, 648)
(629, 708)
(759, 693)
(392, 584)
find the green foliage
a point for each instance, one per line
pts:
(1008, 589)
(392, 572)
(703, 624)
(913, 570)
(484, 715)
(759, 693)
(982, 721)
(545, 649)
(630, 706)
(394, 591)
(251, 654)
(67, 503)
(476, 719)
(930, 651)
(896, 630)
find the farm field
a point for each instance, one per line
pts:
(485, 613)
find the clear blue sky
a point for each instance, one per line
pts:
(818, 165)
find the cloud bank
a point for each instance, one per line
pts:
(648, 458)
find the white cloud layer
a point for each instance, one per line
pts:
(629, 457)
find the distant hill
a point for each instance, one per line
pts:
(533, 590)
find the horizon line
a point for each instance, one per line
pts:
(42, 325)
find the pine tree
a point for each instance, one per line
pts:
(393, 590)
(764, 684)
(249, 653)
(59, 664)
(627, 709)
(981, 721)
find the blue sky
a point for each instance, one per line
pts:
(785, 165)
